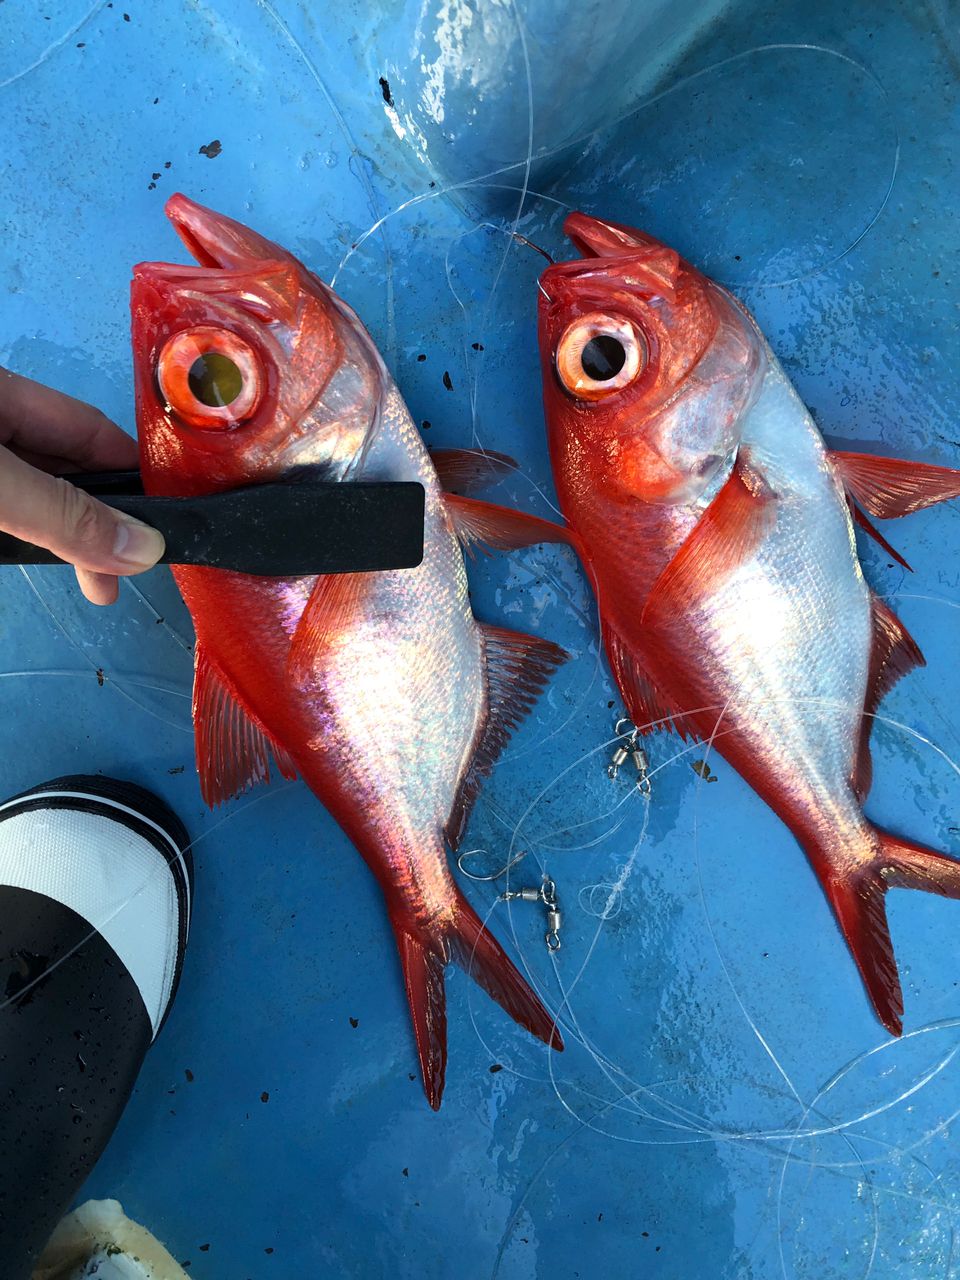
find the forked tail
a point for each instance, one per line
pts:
(857, 899)
(424, 957)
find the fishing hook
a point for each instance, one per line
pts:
(545, 893)
(471, 875)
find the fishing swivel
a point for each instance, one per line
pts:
(629, 745)
(547, 894)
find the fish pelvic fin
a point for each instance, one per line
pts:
(232, 749)
(425, 953)
(518, 667)
(647, 706)
(858, 901)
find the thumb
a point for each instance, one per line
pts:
(53, 513)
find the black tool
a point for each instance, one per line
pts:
(272, 530)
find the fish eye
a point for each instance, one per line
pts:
(210, 377)
(599, 354)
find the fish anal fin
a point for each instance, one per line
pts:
(333, 607)
(464, 470)
(868, 527)
(517, 668)
(893, 654)
(232, 750)
(890, 487)
(726, 536)
(646, 705)
(491, 526)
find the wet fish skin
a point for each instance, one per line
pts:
(718, 531)
(381, 690)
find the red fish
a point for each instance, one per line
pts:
(719, 533)
(381, 690)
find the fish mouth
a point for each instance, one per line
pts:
(594, 238)
(215, 240)
(607, 250)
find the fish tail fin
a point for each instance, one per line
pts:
(423, 957)
(857, 899)
(479, 954)
(423, 960)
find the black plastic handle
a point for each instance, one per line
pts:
(274, 530)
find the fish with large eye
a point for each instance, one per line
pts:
(381, 690)
(599, 354)
(718, 530)
(210, 378)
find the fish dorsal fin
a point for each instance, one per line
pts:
(517, 668)
(891, 487)
(893, 654)
(646, 705)
(488, 525)
(726, 535)
(232, 749)
(333, 607)
(464, 470)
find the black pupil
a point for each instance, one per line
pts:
(215, 380)
(603, 357)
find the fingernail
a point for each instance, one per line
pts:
(136, 544)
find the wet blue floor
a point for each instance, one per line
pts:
(727, 1107)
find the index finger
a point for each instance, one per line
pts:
(40, 420)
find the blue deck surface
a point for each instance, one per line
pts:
(728, 1107)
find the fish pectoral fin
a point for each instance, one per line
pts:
(491, 526)
(517, 668)
(647, 706)
(891, 487)
(333, 607)
(726, 535)
(893, 654)
(464, 470)
(232, 749)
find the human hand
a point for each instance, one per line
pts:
(43, 432)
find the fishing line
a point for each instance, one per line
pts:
(357, 158)
(701, 1130)
(53, 48)
(527, 163)
(124, 693)
(158, 618)
(776, 1134)
(590, 135)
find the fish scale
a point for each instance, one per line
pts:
(718, 531)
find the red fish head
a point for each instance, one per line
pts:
(648, 367)
(246, 366)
